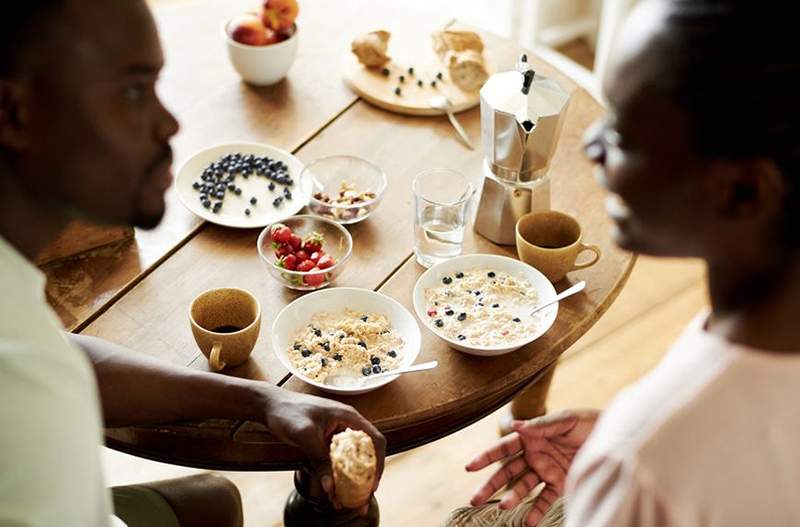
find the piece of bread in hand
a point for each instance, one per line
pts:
(370, 48)
(456, 40)
(467, 69)
(354, 465)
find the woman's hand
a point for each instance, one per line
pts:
(539, 450)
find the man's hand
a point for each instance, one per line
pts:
(309, 422)
(539, 450)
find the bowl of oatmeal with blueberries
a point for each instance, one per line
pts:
(481, 304)
(348, 332)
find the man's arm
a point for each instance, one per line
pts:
(136, 389)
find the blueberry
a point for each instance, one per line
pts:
(296, 346)
(462, 337)
(447, 280)
(305, 353)
(376, 369)
(338, 356)
(491, 274)
(366, 371)
(495, 305)
(220, 195)
(411, 71)
(433, 84)
(206, 204)
(277, 201)
(271, 185)
(459, 275)
(232, 187)
(247, 212)
(362, 344)
(375, 360)
(397, 91)
(462, 317)
(392, 353)
(402, 78)
(419, 83)
(385, 72)
(287, 193)
(253, 200)
(449, 312)
(517, 320)
(317, 332)
(477, 293)
(439, 323)
(439, 75)
(196, 185)
(326, 347)
(238, 191)
(364, 318)
(323, 361)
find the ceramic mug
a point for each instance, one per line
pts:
(225, 324)
(551, 241)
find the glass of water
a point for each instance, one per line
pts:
(441, 205)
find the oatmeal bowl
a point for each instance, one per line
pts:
(345, 332)
(481, 303)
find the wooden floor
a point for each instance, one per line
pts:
(420, 487)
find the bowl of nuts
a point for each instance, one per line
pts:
(343, 188)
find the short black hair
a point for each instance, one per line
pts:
(736, 69)
(16, 30)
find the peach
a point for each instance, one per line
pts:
(279, 14)
(248, 29)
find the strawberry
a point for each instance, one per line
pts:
(301, 255)
(288, 262)
(280, 233)
(313, 242)
(281, 249)
(296, 242)
(326, 261)
(314, 280)
(305, 266)
(314, 257)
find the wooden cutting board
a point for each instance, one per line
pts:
(406, 52)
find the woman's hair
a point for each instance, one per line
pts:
(737, 71)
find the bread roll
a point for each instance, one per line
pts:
(467, 69)
(456, 40)
(354, 464)
(370, 48)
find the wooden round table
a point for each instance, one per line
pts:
(146, 310)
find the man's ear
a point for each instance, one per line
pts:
(747, 188)
(14, 115)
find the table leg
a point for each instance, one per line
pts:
(308, 506)
(530, 402)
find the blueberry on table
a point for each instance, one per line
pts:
(305, 353)
(459, 275)
(462, 317)
(247, 212)
(439, 323)
(253, 200)
(392, 353)
(447, 280)
(366, 371)
(376, 369)
(375, 360)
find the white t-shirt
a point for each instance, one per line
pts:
(709, 438)
(50, 419)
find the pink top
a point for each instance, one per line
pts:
(710, 437)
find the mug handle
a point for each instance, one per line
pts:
(213, 357)
(588, 247)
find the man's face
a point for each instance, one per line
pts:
(644, 153)
(97, 134)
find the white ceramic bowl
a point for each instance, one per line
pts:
(299, 313)
(261, 65)
(433, 278)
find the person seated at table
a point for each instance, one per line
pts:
(84, 135)
(701, 154)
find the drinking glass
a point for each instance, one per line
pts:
(441, 205)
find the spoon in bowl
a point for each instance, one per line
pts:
(440, 102)
(345, 380)
(577, 288)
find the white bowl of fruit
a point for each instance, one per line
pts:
(262, 46)
(305, 252)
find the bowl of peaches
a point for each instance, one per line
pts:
(262, 46)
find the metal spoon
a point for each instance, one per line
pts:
(440, 102)
(577, 288)
(344, 380)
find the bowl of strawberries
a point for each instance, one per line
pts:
(305, 252)
(262, 45)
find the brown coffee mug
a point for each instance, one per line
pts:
(225, 324)
(551, 241)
